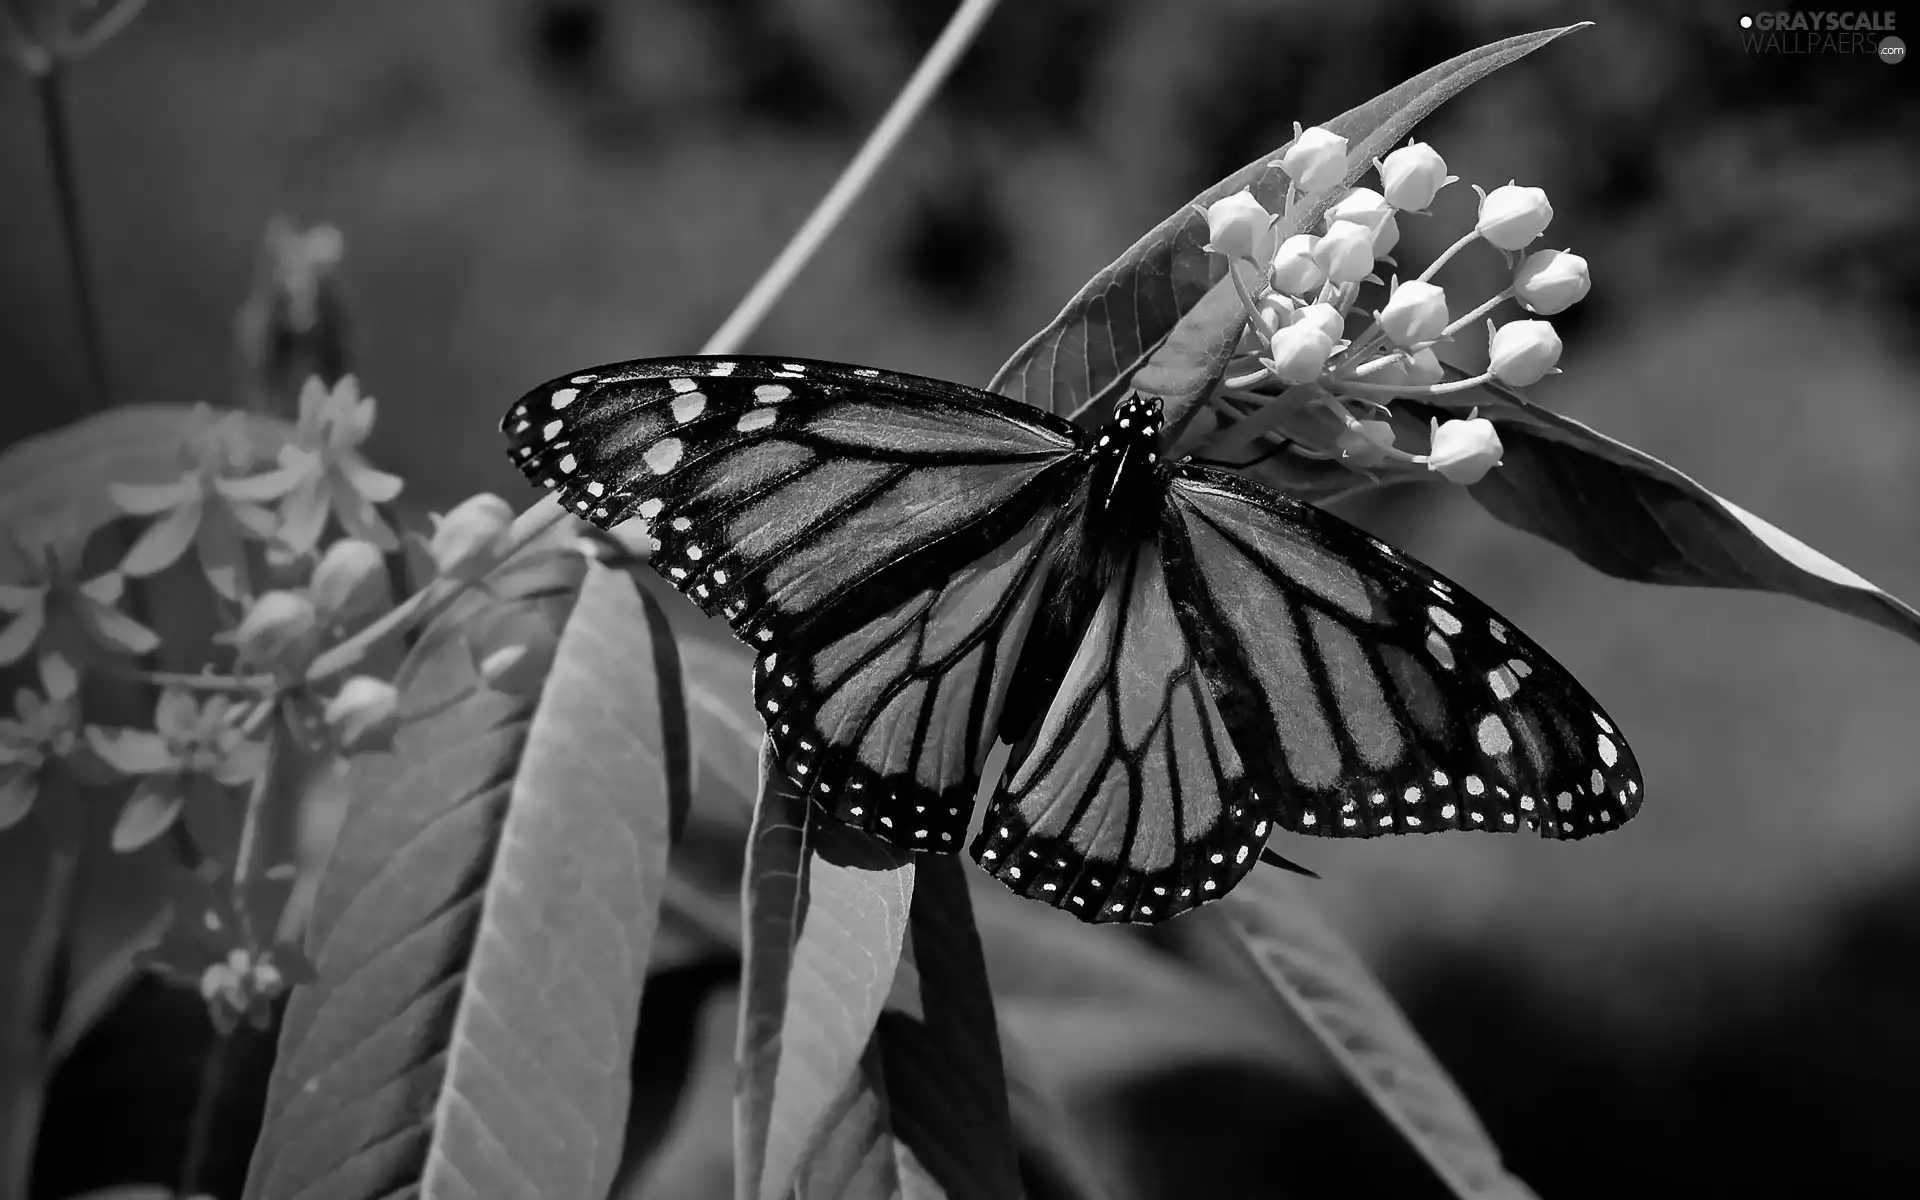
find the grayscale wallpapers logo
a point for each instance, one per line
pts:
(1867, 33)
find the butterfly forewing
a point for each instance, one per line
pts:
(1369, 694)
(878, 539)
(1130, 803)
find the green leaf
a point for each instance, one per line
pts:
(826, 914)
(1121, 318)
(63, 474)
(1627, 514)
(927, 1113)
(482, 932)
(1331, 990)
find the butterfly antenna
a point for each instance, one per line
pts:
(1274, 860)
(1252, 462)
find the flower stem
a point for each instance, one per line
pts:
(1391, 391)
(820, 223)
(24, 1064)
(206, 1103)
(1481, 311)
(248, 685)
(1433, 268)
(49, 90)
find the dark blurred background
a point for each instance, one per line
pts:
(1720, 999)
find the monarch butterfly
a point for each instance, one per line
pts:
(1182, 659)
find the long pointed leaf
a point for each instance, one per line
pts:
(1626, 513)
(1347, 1008)
(482, 932)
(927, 1114)
(1124, 313)
(826, 912)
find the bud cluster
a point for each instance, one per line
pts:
(1300, 291)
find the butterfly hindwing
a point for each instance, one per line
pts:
(1369, 694)
(1130, 803)
(890, 720)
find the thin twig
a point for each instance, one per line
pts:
(206, 1104)
(820, 223)
(24, 1065)
(423, 606)
(49, 88)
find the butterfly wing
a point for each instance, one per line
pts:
(1130, 802)
(1370, 695)
(881, 540)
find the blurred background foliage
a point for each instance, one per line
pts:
(1716, 1000)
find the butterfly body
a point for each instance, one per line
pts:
(1182, 659)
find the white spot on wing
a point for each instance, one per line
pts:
(772, 393)
(759, 418)
(664, 455)
(1446, 621)
(682, 385)
(1493, 736)
(1609, 754)
(553, 429)
(564, 397)
(689, 406)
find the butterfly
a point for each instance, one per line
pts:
(1181, 659)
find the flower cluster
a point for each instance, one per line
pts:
(293, 533)
(1300, 292)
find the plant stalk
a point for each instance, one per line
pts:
(50, 90)
(24, 1064)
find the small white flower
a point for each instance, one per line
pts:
(1363, 206)
(1550, 281)
(1411, 175)
(1237, 224)
(1299, 353)
(1522, 352)
(1511, 216)
(1464, 451)
(1317, 160)
(1330, 320)
(1415, 313)
(1294, 269)
(1346, 252)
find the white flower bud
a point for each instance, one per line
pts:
(1271, 313)
(280, 630)
(1522, 352)
(1423, 366)
(1294, 269)
(1346, 252)
(1415, 313)
(1464, 451)
(364, 713)
(1550, 281)
(1362, 206)
(1386, 237)
(1511, 216)
(1411, 175)
(350, 580)
(1237, 224)
(467, 541)
(1328, 319)
(1299, 353)
(1365, 449)
(1317, 160)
